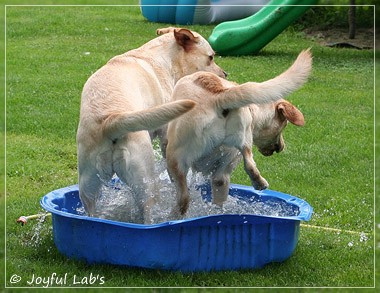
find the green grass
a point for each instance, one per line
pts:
(329, 162)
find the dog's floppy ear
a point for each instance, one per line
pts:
(185, 38)
(291, 113)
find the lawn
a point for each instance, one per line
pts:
(50, 53)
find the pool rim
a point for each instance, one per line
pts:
(304, 207)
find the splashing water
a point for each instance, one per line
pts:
(35, 237)
(117, 202)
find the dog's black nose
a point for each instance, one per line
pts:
(225, 74)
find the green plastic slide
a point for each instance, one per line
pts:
(249, 35)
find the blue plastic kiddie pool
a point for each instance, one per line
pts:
(215, 242)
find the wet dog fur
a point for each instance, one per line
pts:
(123, 100)
(226, 121)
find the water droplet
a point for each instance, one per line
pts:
(164, 176)
(363, 237)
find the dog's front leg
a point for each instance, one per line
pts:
(258, 182)
(220, 187)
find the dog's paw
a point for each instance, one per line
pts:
(261, 184)
(175, 214)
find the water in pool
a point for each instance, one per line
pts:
(117, 203)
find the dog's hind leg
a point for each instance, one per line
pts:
(89, 190)
(133, 162)
(258, 182)
(178, 176)
(221, 176)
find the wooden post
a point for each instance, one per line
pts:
(352, 20)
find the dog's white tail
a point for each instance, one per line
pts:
(118, 124)
(270, 90)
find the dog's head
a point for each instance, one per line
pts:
(192, 53)
(268, 123)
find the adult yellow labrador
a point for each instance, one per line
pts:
(126, 97)
(227, 119)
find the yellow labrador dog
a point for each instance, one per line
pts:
(126, 97)
(227, 119)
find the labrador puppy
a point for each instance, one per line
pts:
(227, 119)
(125, 98)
